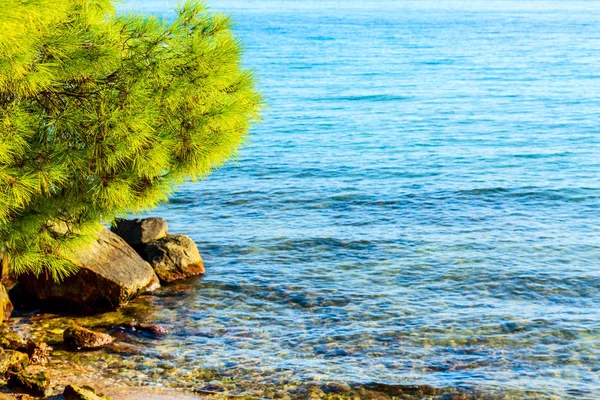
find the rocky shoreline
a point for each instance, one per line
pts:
(132, 258)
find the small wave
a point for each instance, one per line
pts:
(530, 192)
(321, 38)
(542, 155)
(369, 98)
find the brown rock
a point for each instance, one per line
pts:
(82, 393)
(6, 306)
(34, 384)
(11, 341)
(78, 338)
(138, 232)
(12, 361)
(174, 257)
(38, 352)
(110, 274)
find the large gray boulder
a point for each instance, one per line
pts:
(110, 274)
(174, 257)
(138, 232)
(6, 306)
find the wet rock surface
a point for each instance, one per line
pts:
(38, 353)
(174, 257)
(12, 361)
(11, 341)
(79, 338)
(110, 274)
(138, 232)
(82, 393)
(34, 384)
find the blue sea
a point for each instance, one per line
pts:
(420, 205)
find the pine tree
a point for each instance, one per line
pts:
(103, 115)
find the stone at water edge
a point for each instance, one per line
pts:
(174, 257)
(110, 274)
(35, 384)
(12, 361)
(6, 307)
(12, 341)
(79, 338)
(38, 353)
(82, 393)
(138, 232)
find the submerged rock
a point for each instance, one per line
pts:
(138, 232)
(34, 384)
(174, 257)
(6, 306)
(82, 393)
(149, 329)
(12, 361)
(110, 274)
(79, 338)
(335, 388)
(398, 390)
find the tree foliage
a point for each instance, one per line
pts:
(102, 115)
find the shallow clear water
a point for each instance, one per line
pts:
(421, 204)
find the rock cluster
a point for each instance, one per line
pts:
(172, 257)
(120, 264)
(21, 359)
(13, 363)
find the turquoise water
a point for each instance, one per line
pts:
(421, 204)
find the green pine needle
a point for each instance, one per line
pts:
(103, 115)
